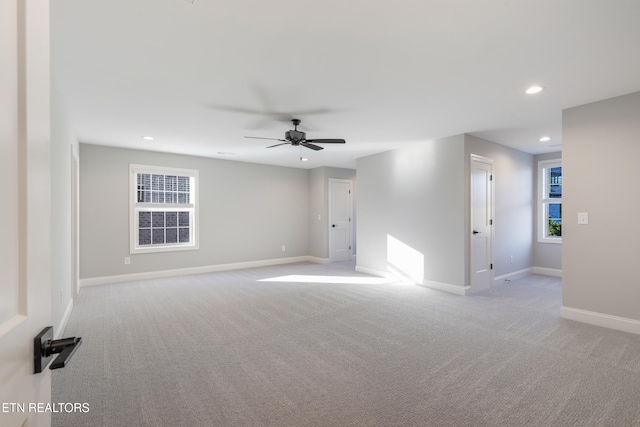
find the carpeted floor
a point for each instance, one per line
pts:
(312, 345)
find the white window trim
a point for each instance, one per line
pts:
(134, 207)
(543, 201)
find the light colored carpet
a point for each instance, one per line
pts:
(325, 346)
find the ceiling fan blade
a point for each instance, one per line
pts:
(260, 124)
(313, 147)
(327, 141)
(268, 112)
(277, 145)
(259, 137)
(232, 109)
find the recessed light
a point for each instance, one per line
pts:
(545, 139)
(304, 159)
(533, 89)
(148, 138)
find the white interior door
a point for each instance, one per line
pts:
(481, 194)
(25, 290)
(340, 213)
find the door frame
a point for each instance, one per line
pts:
(489, 161)
(330, 220)
(75, 223)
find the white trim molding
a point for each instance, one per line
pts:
(543, 200)
(105, 280)
(600, 319)
(137, 206)
(446, 287)
(375, 272)
(390, 274)
(526, 272)
(59, 330)
(547, 271)
(318, 260)
(439, 286)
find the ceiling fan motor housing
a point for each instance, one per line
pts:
(295, 136)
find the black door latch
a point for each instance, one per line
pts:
(44, 347)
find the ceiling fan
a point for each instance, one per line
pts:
(298, 138)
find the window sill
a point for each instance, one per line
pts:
(152, 250)
(552, 240)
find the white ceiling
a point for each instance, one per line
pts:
(379, 73)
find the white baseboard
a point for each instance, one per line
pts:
(440, 286)
(374, 272)
(318, 260)
(600, 319)
(59, 329)
(547, 271)
(446, 287)
(513, 275)
(392, 276)
(95, 281)
(527, 271)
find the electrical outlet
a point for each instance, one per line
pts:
(284, 248)
(127, 260)
(511, 259)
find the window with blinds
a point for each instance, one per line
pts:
(163, 209)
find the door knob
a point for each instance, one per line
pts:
(44, 347)
(475, 232)
(333, 225)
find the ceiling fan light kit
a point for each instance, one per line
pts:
(294, 135)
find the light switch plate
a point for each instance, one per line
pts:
(583, 218)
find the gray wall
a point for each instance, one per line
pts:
(247, 212)
(420, 196)
(514, 191)
(63, 140)
(318, 205)
(546, 255)
(414, 195)
(601, 148)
